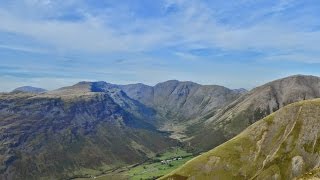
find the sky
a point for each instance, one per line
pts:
(237, 43)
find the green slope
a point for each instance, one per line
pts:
(284, 145)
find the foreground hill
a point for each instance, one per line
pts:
(71, 131)
(284, 145)
(220, 126)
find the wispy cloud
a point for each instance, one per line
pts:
(193, 23)
(119, 40)
(21, 48)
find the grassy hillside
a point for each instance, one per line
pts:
(284, 145)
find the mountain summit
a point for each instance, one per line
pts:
(29, 89)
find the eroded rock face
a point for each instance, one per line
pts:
(284, 145)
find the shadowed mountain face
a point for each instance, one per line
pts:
(252, 106)
(284, 145)
(56, 134)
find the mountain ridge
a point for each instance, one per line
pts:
(252, 106)
(180, 102)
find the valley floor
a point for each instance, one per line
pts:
(156, 167)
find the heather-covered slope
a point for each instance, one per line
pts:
(254, 105)
(67, 132)
(284, 145)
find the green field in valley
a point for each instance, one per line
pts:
(158, 166)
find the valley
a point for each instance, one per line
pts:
(107, 131)
(153, 168)
(159, 90)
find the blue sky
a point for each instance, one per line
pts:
(241, 43)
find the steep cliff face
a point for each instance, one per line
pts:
(254, 105)
(59, 133)
(284, 145)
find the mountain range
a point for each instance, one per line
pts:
(179, 103)
(98, 126)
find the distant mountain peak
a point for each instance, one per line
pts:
(174, 81)
(29, 89)
(240, 90)
(85, 88)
